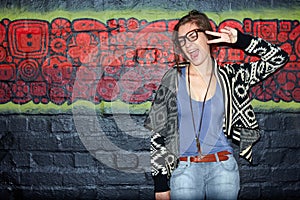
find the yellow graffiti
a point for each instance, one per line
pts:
(118, 107)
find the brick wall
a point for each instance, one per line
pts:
(275, 172)
(44, 157)
(60, 155)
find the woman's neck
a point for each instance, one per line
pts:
(204, 69)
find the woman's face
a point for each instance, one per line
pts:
(196, 51)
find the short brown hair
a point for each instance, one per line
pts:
(195, 17)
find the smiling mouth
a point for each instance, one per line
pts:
(194, 53)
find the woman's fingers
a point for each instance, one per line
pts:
(213, 41)
(226, 34)
(213, 33)
(231, 33)
(221, 37)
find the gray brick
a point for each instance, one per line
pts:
(56, 4)
(250, 174)
(286, 174)
(42, 193)
(9, 178)
(146, 193)
(10, 192)
(77, 5)
(127, 123)
(47, 143)
(6, 193)
(77, 178)
(134, 143)
(86, 125)
(291, 190)
(71, 143)
(272, 191)
(64, 124)
(21, 159)
(42, 159)
(17, 124)
(127, 161)
(39, 124)
(41, 179)
(65, 160)
(106, 124)
(250, 191)
(106, 158)
(149, 179)
(119, 193)
(118, 177)
(273, 157)
(86, 192)
(8, 141)
(272, 122)
(144, 160)
(6, 162)
(100, 143)
(285, 139)
(292, 122)
(292, 157)
(84, 160)
(3, 124)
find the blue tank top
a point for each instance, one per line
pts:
(212, 138)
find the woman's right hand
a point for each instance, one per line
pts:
(162, 195)
(226, 34)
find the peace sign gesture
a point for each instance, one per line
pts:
(226, 34)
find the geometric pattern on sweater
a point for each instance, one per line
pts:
(240, 123)
(162, 161)
(247, 75)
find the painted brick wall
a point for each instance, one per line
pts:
(60, 155)
(44, 157)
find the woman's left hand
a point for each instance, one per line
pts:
(226, 34)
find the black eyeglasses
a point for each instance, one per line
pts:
(191, 36)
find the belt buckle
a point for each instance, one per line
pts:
(200, 156)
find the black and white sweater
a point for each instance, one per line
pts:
(240, 123)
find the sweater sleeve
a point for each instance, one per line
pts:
(159, 153)
(159, 169)
(243, 40)
(271, 57)
(163, 161)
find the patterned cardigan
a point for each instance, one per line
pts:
(240, 123)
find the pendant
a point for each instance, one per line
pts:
(200, 155)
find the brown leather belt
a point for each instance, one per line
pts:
(222, 155)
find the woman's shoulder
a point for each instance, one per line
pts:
(175, 69)
(181, 65)
(170, 77)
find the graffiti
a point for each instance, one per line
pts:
(123, 59)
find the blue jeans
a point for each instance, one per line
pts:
(206, 180)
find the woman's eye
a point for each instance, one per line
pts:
(193, 36)
(181, 41)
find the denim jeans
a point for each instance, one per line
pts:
(206, 180)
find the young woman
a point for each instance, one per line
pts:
(199, 105)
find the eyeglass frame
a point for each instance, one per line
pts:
(186, 36)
